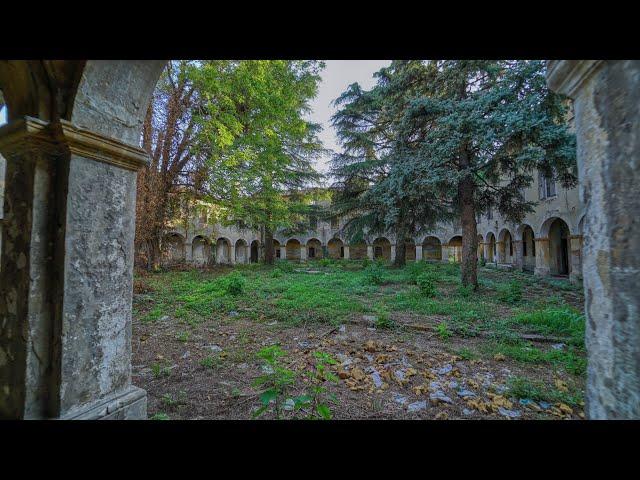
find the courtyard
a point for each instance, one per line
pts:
(357, 340)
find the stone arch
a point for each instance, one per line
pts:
(382, 248)
(431, 248)
(358, 250)
(410, 250)
(200, 250)
(255, 251)
(335, 248)
(314, 249)
(506, 250)
(223, 250)
(277, 252)
(241, 251)
(526, 236)
(490, 246)
(293, 249)
(558, 235)
(455, 248)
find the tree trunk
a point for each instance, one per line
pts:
(268, 246)
(469, 266)
(401, 254)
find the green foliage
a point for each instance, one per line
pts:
(374, 274)
(160, 416)
(383, 320)
(161, 369)
(275, 383)
(233, 283)
(183, 336)
(510, 292)
(443, 331)
(466, 353)
(155, 314)
(556, 321)
(427, 284)
(524, 388)
(465, 291)
(210, 361)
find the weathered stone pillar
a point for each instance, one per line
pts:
(418, 253)
(303, 253)
(500, 246)
(346, 252)
(575, 258)
(445, 253)
(393, 253)
(519, 254)
(232, 254)
(283, 252)
(188, 252)
(67, 274)
(607, 118)
(370, 252)
(543, 257)
(487, 251)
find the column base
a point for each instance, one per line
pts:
(128, 405)
(542, 272)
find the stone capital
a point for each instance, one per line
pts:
(30, 134)
(567, 76)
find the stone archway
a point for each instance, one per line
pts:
(201, 250)
(277, 249)
(335, 248)
(382, 249)
(255, 251)
(455, 249)
(490, 248)
(241, 251)
(410, 251)
(173, 251)
(223, 251)
(314, 249)
(293, 249)
(528, 248)
(431, 248)
(558, 234)
(358, 250)
(506, 252)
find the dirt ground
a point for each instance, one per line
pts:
(407, 372)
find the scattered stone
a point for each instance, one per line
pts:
(453, 384)
(368, 357)
(526, 401)
(304, 344)
(243, 366)
(398, 398)
(446, 369)
(467, 411)
(558, 346)
(342, 329)
(435, 385)
(289, 404)
(370, 319)
(186, 354)
(440, 397)
(275, 322)
(213, 348)
(508, 413)
(377, 380)
(417, 406)
(268, 369)
(164, 318)
(399, 374)
(233, 313)
(544, 405)
(464, 393)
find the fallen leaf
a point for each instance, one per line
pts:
(499, 357)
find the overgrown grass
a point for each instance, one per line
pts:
(563, 321)
(524, 388)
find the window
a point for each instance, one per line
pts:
(277, 253)
(546, 186)
(341, 252)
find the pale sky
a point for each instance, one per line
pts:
(336, 77)
(2, 115)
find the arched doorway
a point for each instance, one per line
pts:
(455, 249)
(277, 252)
(223, 251)
(559, 247)
(335, 248)
(432, 249)
(491, 247)
(410, 251)
(242, 251)
(382, 249)
(173, 249)
(255, 251)
(201, 250)
(505, 249)
(293, 249)
(314, 249)
(528, 249)
(358, 251)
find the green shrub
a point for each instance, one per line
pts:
(374, 274)
(285, 266)
(556, 321)
(465, 292)
(443, 331)
(276, 273)
(233, 283)
(427, 284)
(383, 320)
(510, 292)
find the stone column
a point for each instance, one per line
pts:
(418, 253)
(188, 252)
(543, 258)
(393, 253)
(607, 117)
(445, 253)
(575, 258)
(67, 273)
(346, 252)
(303, 253)
(487, 251)
(519, 254)
(500, 247)
(283, 252)
(232, 254)
(370, 252)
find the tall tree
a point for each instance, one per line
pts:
(479, 129)
(258, 175)
(375, 176)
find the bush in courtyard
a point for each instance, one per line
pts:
(233, 284)
(374, 274)
(510, 292)
(426, 283)
(465, 292)
(285, 266)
